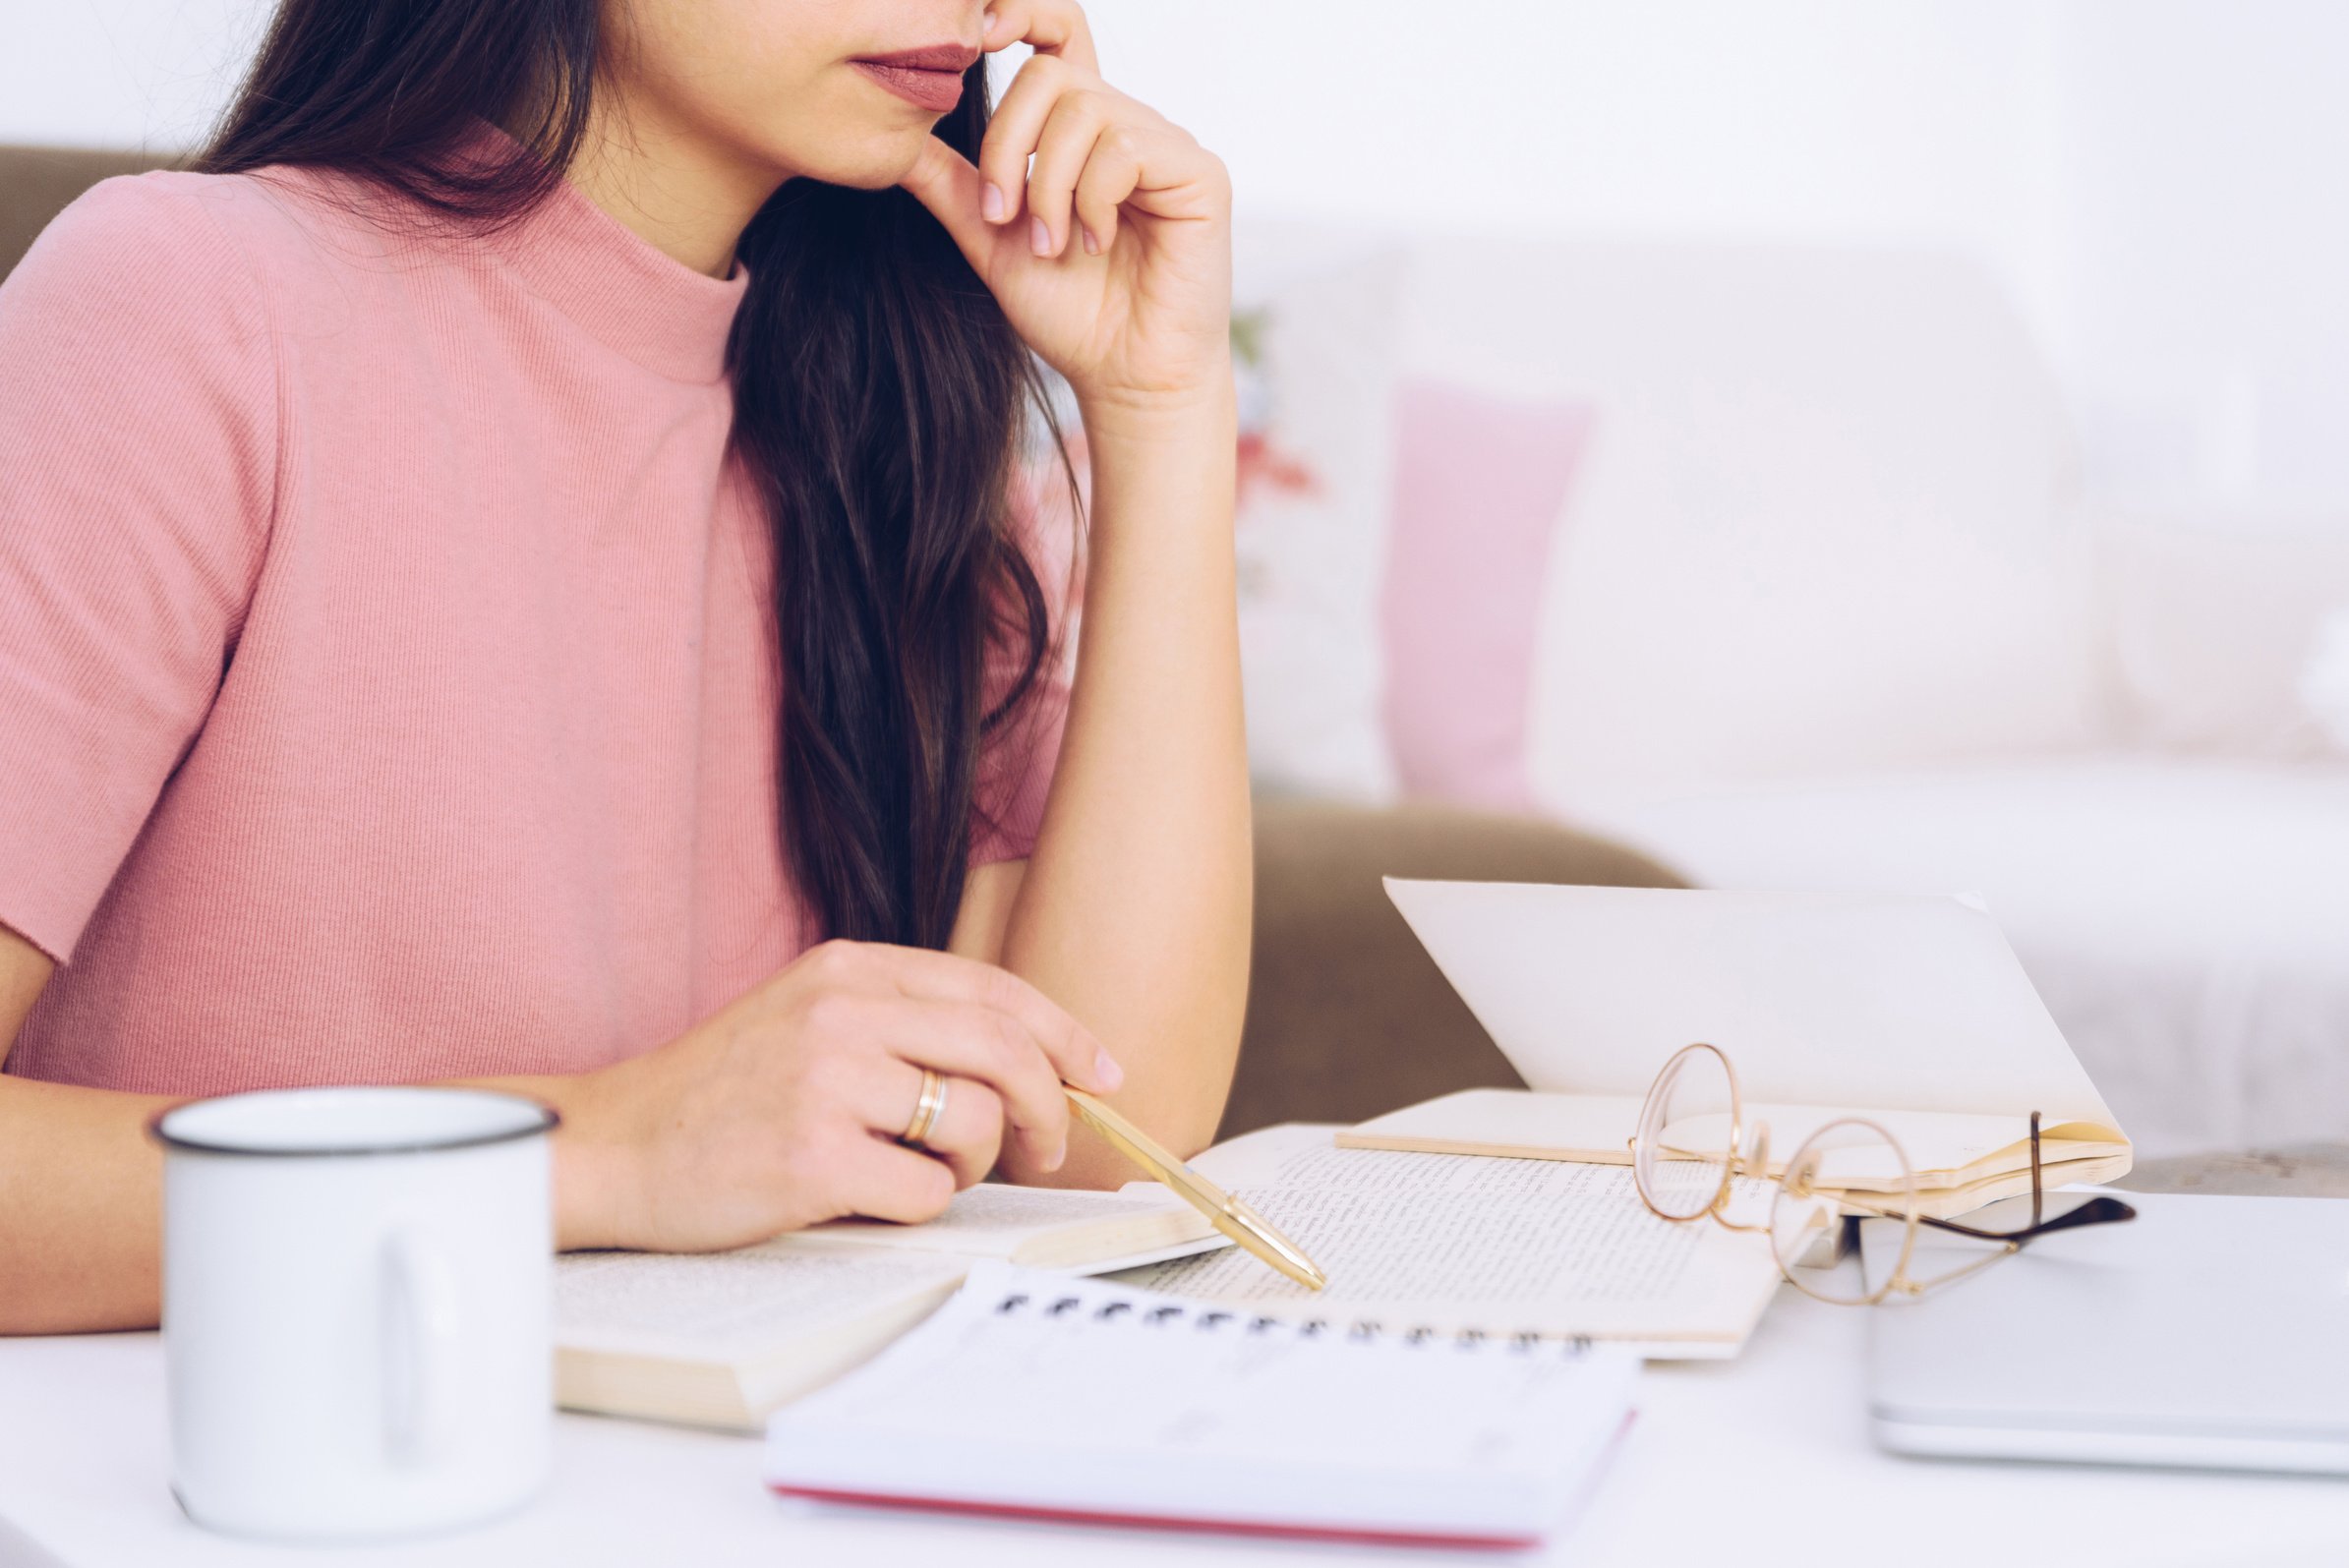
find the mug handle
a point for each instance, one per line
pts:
(420, 1337)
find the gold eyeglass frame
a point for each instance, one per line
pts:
(1792, 1184)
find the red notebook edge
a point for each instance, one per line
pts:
(1220, 1526)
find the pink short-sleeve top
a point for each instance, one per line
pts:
(389, 675)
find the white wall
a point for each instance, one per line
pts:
(2206, 193)
(120, 73)
(2158, 181)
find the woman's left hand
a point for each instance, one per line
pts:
(1111, 254)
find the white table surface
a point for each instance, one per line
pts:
(1759, 1461)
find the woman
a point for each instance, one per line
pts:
(508, 574)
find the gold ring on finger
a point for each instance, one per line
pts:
(926, 1111)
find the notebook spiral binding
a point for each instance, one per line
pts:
(1214, 1319)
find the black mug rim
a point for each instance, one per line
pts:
(548, 1120)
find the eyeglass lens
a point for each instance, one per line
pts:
(1683, 1158)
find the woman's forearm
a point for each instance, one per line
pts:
(80, 1208)
(754, 1122)
(81, 1189)
(81, 1198)
(1134, 912)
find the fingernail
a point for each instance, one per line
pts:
(991, 203)
(987, 25)
(1059, 1157)
(1106, 1072)
(1039, 236)
(1092, 247)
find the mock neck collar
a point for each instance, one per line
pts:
(628, 293)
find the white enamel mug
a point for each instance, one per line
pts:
(357, 1308)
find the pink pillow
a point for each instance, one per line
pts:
(1478, 483)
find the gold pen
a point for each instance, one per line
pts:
(1232, 1217)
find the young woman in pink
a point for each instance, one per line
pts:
(514, 571)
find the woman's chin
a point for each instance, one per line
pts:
(872, 162)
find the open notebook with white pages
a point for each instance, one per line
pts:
(1491, 1245)
(1912, 1011)
(719, 1339)
(1037, 1395)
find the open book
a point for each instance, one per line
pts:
(1912, 1011)
(1424, 1244)
(721, 1339)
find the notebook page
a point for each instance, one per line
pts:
(1098, 1398)
(991, 1220)
(728, 1307)
(1944, 1148)
(1881, 1000)
(1491, 1245)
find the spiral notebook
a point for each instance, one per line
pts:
(1037, 1395)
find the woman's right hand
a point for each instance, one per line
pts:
(783, 1109)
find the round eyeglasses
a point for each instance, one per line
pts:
(1693, 1149)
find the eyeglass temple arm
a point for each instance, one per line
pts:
(2095, 1211)
(2038, 1190)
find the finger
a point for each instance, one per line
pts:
(1049, 27)
(1012, 132)
(1175, 177)
(855, 1023)
(968, 1130)
(1076, 1055)
(1071, 131)
(943, 181)
(882, 1180)
(1110, 175)
(993, 1050)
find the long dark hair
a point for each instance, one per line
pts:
(879, 407)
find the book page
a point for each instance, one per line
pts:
(990, 1220)
(1880, 999)
(1494, 1246)
(1945, 1150)
(730, 1306)
(1596, 1127)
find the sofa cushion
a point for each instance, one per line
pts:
(1824, 524)
(1481, 487)
(2217, 623)
(2324, 681)
(2185, 922)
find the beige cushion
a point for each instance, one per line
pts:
(37, 183)
(1347, 1014)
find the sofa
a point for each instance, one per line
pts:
(1347, 1017)
(1823, 607)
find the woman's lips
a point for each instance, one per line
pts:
(931, 78)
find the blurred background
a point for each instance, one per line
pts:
(2155, 181)
(1822, 444)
